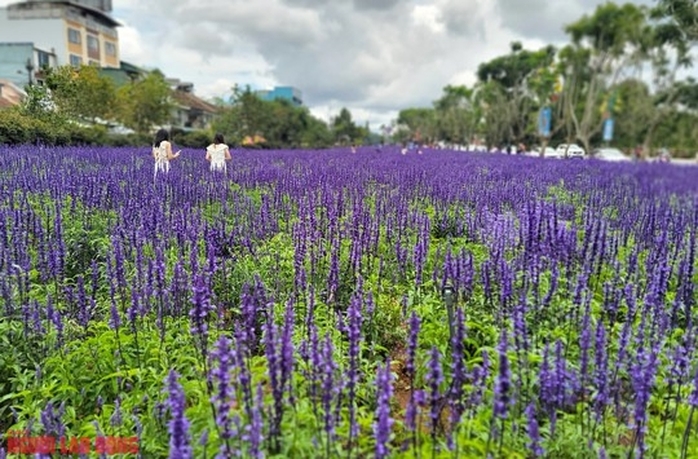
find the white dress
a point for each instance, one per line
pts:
(217, 153)
(162, 164)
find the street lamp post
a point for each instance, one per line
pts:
(30, 68)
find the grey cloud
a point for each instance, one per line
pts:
(258, 20)
(544, 19)
(331, 52)
(375, 4)
(313, 3)
(463, 18)
(209, 40)
(541, 18)
(358, 4)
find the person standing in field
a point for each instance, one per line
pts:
(218, 153)
(162, 152)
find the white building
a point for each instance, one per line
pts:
(75, 31)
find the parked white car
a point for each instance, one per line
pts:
(572, 151)
(610, 154)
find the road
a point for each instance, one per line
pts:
(685, 162)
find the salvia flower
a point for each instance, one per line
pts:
(224, 394)
(435, 378)
(179, 424)
(383, 425)
(255, 434)
(201, 307)
(533, 433)
(116, 418)
(502, 388)
(600, 377)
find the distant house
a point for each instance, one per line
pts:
(10, 94)
(289, 93)
(190, 112)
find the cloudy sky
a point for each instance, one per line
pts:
(371, 56)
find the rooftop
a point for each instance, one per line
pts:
(10, 94)
(190, 100)
(101, 14)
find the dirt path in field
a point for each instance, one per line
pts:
(402, 391)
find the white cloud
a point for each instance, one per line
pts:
(429, 16)
(371, 56)
(131, 45)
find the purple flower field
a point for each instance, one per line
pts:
(330, 304)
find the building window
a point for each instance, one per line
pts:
(75, 61)
(92, 43)
(42, 59)
(110, 48)
(92, 47)
(74, 36)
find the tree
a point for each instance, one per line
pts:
(666, 48)
(495, 113)
(38, 103)
(600, 44)
(549, 93)
(278, 121)
(345, 130)
(680, 129)
(145, 103)
(576, 76)
(419, 123)
(635, 107)
(457, 115)
(510, 74)
(82, 93)
(316, 134)
(684, 14)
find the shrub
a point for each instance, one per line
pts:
(193, 139)
(14, 127)
(18, 128)
(127, 140)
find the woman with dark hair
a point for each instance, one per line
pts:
(162, 152)
(218, 153)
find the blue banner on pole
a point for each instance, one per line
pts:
(544, 120)
(608, 129)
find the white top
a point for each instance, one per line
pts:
(162, 163)
(160, 152)
(217, 152)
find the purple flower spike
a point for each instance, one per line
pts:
(384, 423)
(179, 424)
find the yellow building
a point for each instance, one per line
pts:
(76, 31)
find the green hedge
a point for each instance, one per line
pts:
(191, 139)
(128, 140)
(17, 128)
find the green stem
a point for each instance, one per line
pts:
(666, 418)
(686, 432)
(501, 440)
